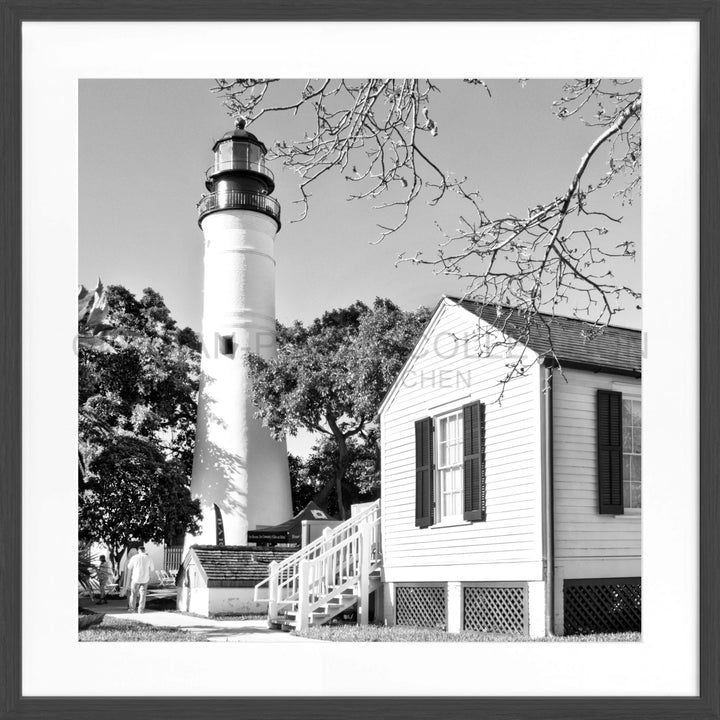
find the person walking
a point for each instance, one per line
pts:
(139, 569)
(104, 573)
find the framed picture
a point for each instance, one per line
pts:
(58, 58)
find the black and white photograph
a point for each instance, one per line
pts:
(362, 363)
(381, 350)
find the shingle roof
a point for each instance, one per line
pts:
(614, 349)
(235, 565)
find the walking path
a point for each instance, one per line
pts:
(254, 630)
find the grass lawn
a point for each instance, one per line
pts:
(111, 629)
(379, 633)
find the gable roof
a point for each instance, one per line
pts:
(612, 349)
(233, 565)
(616, 350)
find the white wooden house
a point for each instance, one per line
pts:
(505, 507)
(515, 513)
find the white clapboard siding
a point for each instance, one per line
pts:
(580, 530)
(444, 376)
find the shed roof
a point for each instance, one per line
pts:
(573, 342)
(233, 565)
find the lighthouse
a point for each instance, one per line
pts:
(240, 473)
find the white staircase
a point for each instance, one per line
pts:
(328, 576)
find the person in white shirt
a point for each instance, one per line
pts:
(139, 569)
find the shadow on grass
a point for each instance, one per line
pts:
(379, 633)
(109, 629)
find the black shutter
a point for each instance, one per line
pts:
(609, 465)
(424, 501)
(474, 461)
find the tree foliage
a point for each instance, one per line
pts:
(330, 378)
(137, 402)
(378, 134)
(147, 385)
(134, 493)
(308, 476)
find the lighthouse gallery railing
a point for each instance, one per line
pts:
(239, 200)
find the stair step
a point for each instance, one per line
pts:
(319, 614)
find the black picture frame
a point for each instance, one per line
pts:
(12, 703)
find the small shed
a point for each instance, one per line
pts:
(216, 579)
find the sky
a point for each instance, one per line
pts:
(144, 146)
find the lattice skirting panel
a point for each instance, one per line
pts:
(496, 609)
(603, 605)
(420, 606)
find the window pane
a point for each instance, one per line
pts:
(627, 413)
(442, 430)
(452, 428)
(442, 455)
(626, 468)
(627, 495)
(627, 438)
(452, 505)
(637, 440)
(457, 480)
(636, 468)
(454, 454)
(636, 500)
(637, 413)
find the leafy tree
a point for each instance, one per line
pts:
(362, 478)
(137, 398)
(378, 135)
(93, 333)
(147, 385)
(330, 378)
(134, 493)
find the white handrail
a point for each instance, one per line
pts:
(329, 564)
(288, 569)
(346, 565)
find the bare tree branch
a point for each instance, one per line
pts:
(376, 133)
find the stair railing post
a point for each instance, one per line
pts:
(327, 575)
(273, 592)
(378, 533)
(364, 596)
(302, 619)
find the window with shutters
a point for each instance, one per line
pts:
(449, 493)
(619, 446)
(450, 467)
(632, 447)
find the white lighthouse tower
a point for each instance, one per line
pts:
(240, 474)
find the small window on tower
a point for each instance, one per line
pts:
(226, 345)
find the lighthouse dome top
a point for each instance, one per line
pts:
(240, 134)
